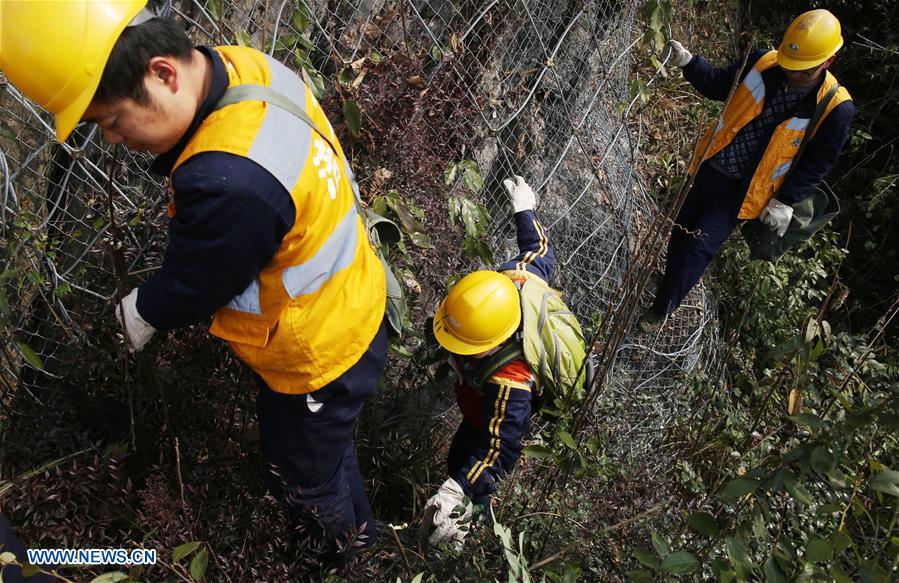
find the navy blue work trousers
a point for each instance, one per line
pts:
(706, 219)
(11, 544)
(307, 446)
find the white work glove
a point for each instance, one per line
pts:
(680, 56)
(137, 329)
(520, 194)
(777, 216)
(438, 509)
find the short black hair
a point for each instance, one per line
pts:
(123, 77)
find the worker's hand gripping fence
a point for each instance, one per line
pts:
(381, 230)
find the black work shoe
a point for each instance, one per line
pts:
(650, 321)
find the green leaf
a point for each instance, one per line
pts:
(375, 56)
(660, 545)
(346, 76)
(475, 248)
(215, 8)
(352, 115)
(504, 534)
(640, 576)
(791, 346)
(738, 488)
(572, 573)
(112, 577)
(402, 211)
(822, 460)
(29, 570)
(30, 356)
(703, 523)
(471, 176)
(840, 576)
(773, 572)
(182, 551)
(886, 481)
(638, 90)
(285, 42)
(450, 173)
(421, 240)
(58, 292)
(436, 53)
(198, 565)
(566, 438)
(537, 451)
(720, 570)
(680, 563)
(819, 550)
(657, 20)
(806, 419)
(739, 558)
(837, 478)
(646, 558)
(314, 81)
(798, 492)
(811, 330)
(417, 578)
(243, 39)
(301, 18)
(840, 541)
(826, 509)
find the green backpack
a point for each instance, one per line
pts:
(381, 230)
(549, 338)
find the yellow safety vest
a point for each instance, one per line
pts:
(313, 311)
(746, 104)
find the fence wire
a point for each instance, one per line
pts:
(530, 87)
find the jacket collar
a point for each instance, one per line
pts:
(164, 163)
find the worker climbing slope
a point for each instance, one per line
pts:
(501, 328)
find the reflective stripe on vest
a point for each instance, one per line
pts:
(313, 311)
(746, 104)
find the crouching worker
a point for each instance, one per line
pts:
(264, 233)
(495, 325)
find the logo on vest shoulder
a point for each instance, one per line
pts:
(796, 142)
(328, 166)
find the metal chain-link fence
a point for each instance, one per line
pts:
(532, 87)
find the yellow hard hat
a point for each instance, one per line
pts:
(812, 38)
(55, 51)
(479, 313)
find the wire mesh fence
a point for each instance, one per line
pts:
(529, 87)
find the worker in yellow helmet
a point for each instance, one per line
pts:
(264, 232)
(746, 164)
(478, 318)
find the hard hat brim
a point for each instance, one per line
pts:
(791, 64)
(68, 118)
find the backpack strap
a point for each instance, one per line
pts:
(255, 92)
(509, 352)
(813, 124)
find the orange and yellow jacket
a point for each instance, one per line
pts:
(777, 154)
(264, 232)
